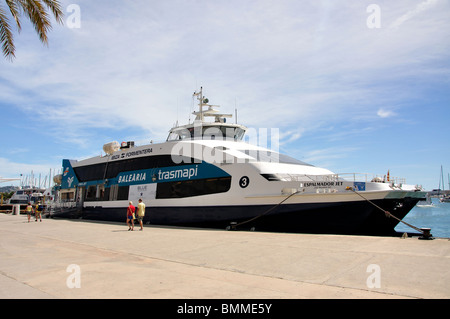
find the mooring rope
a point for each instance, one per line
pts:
(387, 213)
(267, 211)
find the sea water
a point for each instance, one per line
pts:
(435, 216)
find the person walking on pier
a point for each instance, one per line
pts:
(141, 213)
(38, 211)
(29, 211)
(130, 216)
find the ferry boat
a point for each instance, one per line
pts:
(206, 175)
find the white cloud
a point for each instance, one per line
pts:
(421, 7)
(289, 136)
(326, 156)
(383, 113)
(287, 64)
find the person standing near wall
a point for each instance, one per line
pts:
(141, 213)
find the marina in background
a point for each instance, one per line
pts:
(435, 216)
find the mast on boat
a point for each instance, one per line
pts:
(210, 112)
(200, 98)
(216, 128)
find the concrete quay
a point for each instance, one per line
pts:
(78, 259)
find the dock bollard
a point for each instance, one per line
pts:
(16, 210)
(426, 234)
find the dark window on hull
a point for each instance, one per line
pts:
(123, 193)
(193, 187)
(100, 193)
(90, 194)
(97, 171)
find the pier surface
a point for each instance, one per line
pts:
(59, 258)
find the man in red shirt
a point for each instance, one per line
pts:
(130, 216)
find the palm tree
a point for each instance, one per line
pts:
(36, 10)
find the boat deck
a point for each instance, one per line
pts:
(44, 259)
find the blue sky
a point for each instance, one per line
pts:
(343, 95)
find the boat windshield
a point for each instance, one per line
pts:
(213, 132)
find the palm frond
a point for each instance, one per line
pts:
(55, 6)
(15, 11)
(38, 13)
(6, 36)
(38, 17)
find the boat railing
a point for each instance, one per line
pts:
(348, 177)
(367, 177)
(63, 206)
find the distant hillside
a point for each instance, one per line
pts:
(8, 189)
